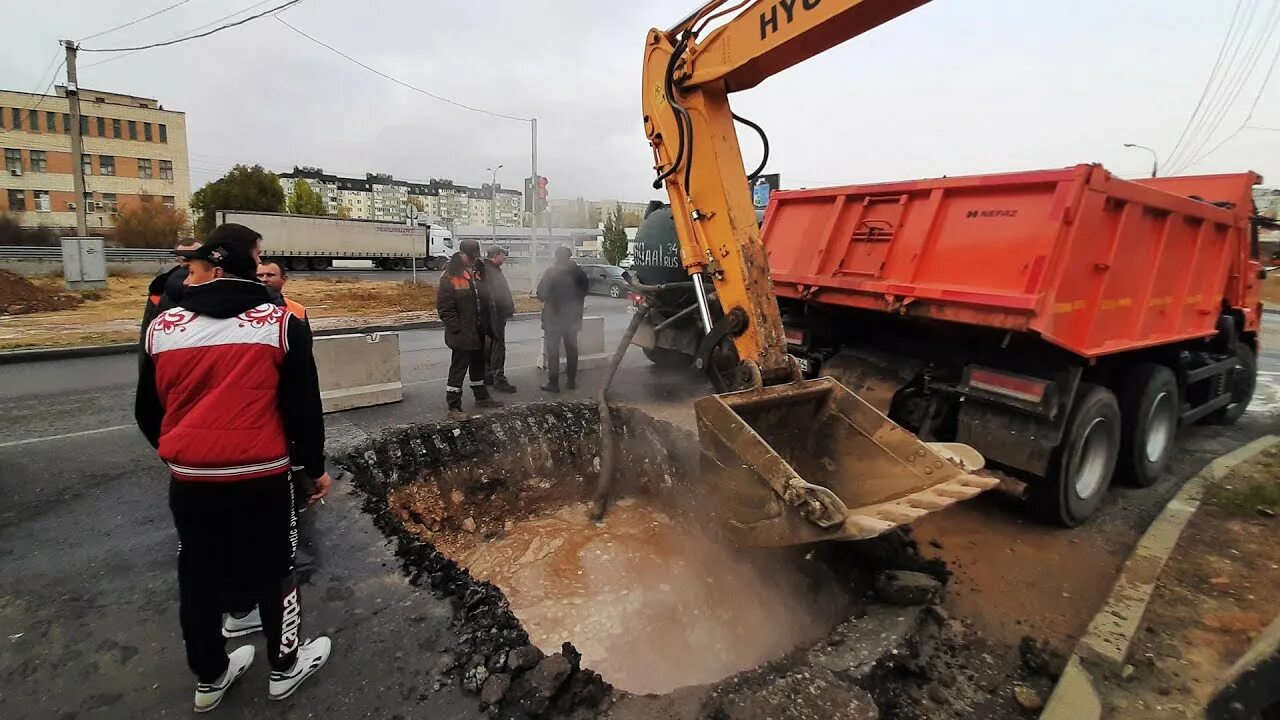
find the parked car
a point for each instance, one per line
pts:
(626, 262)
(606, 280)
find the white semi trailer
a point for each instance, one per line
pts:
(309, 242)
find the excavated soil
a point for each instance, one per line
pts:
(646, 615)
(20, 296)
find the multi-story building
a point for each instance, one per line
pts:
(382, 197)
(578, 212)
(134, 151)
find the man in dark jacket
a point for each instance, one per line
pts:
(503, 308)
(463, 306)
(166, 288)
(562, 290)
(228, 395)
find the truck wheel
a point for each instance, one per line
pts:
(1243, 378)
(1149, 407)
(1083, 464)
(668, 359)
(298, 263)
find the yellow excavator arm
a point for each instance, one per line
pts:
(792, 461)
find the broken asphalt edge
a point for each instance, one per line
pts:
(1106, 641)
(79, 351)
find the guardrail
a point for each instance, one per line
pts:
(27, 252)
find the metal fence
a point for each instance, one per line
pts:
(25, 252)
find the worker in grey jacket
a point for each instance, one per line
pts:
(502, 308)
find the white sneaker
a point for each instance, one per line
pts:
(234, 627)
(311, 656)
(208, 695)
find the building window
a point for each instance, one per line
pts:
(115, 129)
(88, 202)
(39, 161)
(144, 168)
(106, 165)
(33, 120)
(133, 130)
(164, 133)
(42, 201)
(109, 203)
(17, 200)
(66, 123)
(51, 122)
(166, 169)
(102, 127)
(86, 164)
(12, 159)
(167, 201)
(146, 131)
(17, 119)
(84, 125)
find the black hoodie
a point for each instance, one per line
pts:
(299, 389)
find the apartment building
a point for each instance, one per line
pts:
(382, 197)
(134, 152)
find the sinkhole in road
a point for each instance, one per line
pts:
(648, 597)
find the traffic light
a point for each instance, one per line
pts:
(541, 193)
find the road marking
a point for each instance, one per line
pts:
(64, 436)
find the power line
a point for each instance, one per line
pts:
(1244, 125)
(1234, 87)
(211, 23)
(1204, 93)
(401, 82)
(135, 22)
(220, 28)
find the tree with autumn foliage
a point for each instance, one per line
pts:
(151, 225)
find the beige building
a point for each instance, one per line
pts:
(134, 152)
(382, 197)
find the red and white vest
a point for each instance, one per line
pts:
(218, 380)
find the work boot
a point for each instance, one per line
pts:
(553, 384)
(571, 382)
(483, 399)
(501, 384)
(454, 400)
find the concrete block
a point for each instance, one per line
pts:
(358, 370)
(591, 339)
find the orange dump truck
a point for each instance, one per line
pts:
(1062, 322)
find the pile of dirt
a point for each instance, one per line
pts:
(19, 296)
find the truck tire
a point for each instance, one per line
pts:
(668, 359)
(1149, 408)
(1243, 379)
(1081, 470)
(320, 263)
(297, 263)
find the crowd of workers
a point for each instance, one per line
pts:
(229, 396)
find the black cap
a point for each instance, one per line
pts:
(471, 248)
(244, 238)
(227, 255)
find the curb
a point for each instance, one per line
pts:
(1106, 641)
(8, 357)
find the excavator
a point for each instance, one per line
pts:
(788, 461)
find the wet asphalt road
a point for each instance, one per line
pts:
(88, 617)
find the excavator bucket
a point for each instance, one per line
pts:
(809, 461)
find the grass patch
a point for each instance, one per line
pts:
(1251, 485)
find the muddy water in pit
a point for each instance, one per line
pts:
(651, 604)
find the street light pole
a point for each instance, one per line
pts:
(493, 204)
(1155, 159)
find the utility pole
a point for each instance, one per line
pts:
(77, 143)
(493, 205)
(533, 203)
(1155, 159)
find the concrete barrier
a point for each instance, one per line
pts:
(358, 370)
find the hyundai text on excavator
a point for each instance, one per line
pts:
(791, 460)
(1061, 323)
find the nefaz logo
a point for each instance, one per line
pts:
(990, 214)
(769, 19)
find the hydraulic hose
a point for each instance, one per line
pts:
(608, 450)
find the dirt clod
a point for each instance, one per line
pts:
(495, 689)
(1027, 698)
(20, 296)
(1034, 656)
(903, 587)
(469, 525)
(523, 658)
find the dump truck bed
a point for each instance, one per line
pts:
(1090, 262)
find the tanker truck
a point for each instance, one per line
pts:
(1064, 323)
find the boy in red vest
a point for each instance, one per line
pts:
(228, 394)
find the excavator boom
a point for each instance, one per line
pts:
(795, 461)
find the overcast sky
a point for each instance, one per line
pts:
(955, 87)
